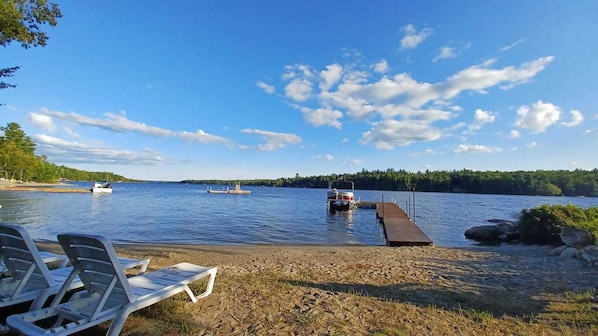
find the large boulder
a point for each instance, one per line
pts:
(503, 230)
(575, 237)
(482, 233)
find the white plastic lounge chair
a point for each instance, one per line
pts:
(30, 279)
(47, 257)
(108, 294)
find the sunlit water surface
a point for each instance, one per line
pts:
(187, 214)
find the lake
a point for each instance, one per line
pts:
(187, 214)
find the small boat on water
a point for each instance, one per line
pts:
(101, 187)
(340, 200)
(226, 190)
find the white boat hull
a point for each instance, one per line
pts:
(101, 190)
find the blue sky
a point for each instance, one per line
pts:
(159, 90)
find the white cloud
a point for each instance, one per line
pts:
(354, 162)
(381, 67)
(273, 140)
(412, 37)
(112, 122)
(531, 145)
(481, 117)
(576, 119)
(537, 118)
(330, 76)
(43, 121)
(388, 134)
(475, 149)
(267, 88)
(445, 52)
(430, 115)
(200, 136)
(514, 134)
(425, 152)
(511, 45)
(480, 77)
(298, 90)
(326, 157)
(72, 152)
(121, 124)
(395, 100)
(322, 117)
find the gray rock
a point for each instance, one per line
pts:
(569, 252)
(482, 233)
(557, 251)
(575, 237)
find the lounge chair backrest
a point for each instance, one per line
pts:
(96, 262)
(22, 259)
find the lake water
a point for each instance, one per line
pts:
(187, 214)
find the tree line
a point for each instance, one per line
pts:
(19, 162)
(541, 182)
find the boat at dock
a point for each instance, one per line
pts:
(227, 190)
(341, 199)
(101, 188)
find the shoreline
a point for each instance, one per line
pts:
(358, 290)
(36, 186)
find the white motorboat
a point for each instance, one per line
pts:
(101, 187)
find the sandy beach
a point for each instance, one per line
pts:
(362, 290)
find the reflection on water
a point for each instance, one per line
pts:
(177, 213)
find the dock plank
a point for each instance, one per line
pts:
(398, 228)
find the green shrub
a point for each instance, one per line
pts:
(542, 225)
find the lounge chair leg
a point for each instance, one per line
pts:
(118, 323)
(210, 286)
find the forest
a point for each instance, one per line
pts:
(19, 162)
(541, 182)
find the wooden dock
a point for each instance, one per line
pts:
(399, 230)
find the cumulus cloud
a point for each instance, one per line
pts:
(381, 67)
(481, 117)
(298, 90)
(267, 88)
(445, 52)
(273, 140)
(388, 134)
(330, 76)
(322, 117)
(538, 117)
(576, 119)
(413, 37)
(514, 134)
(370, 93)
(463, 148)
